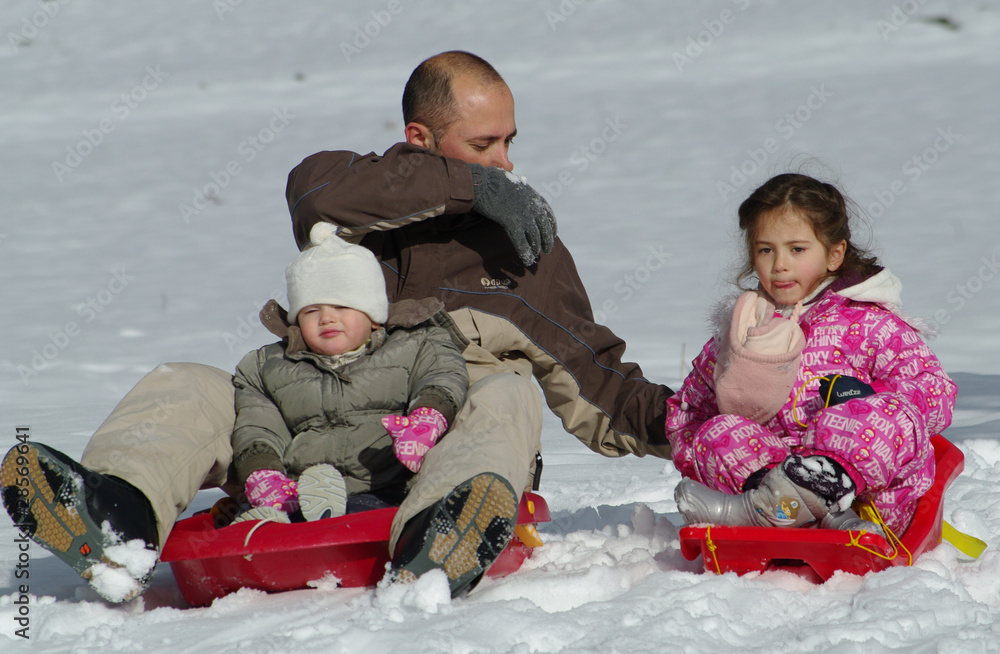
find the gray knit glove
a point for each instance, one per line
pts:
(519, 209)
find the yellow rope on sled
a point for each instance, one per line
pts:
(711, 548)
(826, 402)
(964, 543)
(869, 512)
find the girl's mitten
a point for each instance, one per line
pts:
(758, 359)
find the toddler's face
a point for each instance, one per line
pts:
(790, 261)
(332, 330)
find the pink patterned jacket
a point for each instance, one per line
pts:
(882, 440)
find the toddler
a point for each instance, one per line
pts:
(338, 415)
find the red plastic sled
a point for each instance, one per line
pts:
(209, 563)
(817, 553)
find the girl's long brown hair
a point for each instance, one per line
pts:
(820, 203)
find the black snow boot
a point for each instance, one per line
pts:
(462, 534)
(101, 526)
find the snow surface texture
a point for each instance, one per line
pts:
(644, 124)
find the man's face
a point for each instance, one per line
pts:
(485, 127)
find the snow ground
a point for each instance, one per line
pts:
(645, 123)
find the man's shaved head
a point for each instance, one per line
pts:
(429, 99)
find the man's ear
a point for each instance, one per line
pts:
(419, 134)
(836, 256)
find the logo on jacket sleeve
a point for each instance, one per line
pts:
(490, 284)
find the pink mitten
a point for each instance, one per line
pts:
(272, 488)
(758, 359)
(414, 434)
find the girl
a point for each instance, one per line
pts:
(815, 391)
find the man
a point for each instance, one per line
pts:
(445, 219)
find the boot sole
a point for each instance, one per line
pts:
(47, 502)
(263, 513)
(468, 530)
(322, 493)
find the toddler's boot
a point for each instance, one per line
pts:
(263, 513)
(322, 492)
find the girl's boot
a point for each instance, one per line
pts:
(801, 490)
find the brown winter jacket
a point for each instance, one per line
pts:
(294, 410)
(410, 207)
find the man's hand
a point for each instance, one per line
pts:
(518, 208)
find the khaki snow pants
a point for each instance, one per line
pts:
(170, 437)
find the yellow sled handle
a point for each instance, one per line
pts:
(964, 543)
(528, 535)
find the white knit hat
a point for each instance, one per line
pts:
(333, 271)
